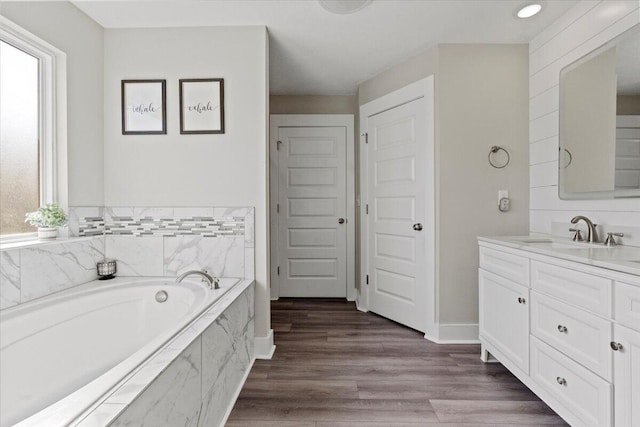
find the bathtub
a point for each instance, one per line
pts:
(59, 355)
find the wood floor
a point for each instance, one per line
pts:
(336, 367)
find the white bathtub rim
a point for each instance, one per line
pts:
(76, 404)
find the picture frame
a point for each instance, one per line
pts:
(201, 106)
(144, 107)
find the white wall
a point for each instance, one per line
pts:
(64, 26)
(482, 102)
(583, 28)
(193, 170)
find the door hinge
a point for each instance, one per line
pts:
(277, 207)
(366, 137)
(278, 145)
(366, 209)
(367, 279)
(278, 270)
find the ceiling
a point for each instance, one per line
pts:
(314, 52)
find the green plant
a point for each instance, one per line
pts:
(50, 215)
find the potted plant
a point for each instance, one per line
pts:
(48, 218)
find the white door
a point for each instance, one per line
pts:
(399, 227)
(312, 208)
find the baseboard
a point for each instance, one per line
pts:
(456, 333)
(264, 347)
(237, 393)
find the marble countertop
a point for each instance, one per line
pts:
(624, 259)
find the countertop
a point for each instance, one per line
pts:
(624, 259)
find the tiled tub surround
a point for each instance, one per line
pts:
(192, 379)
(158, 221)
(34, 271)
(166, 241)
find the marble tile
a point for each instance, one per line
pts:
(192, 212)
(172, 399)
(249, 227)
(112, 212)
(59, 265)
(9, 278)
(249, 263)
(141, 212)
(229, 212)
(76, 213)
(220, 256)
(225, 342)
(102, 415)
(219, 397)
(136, 256)
(215, 403)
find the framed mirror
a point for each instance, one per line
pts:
(599, 153)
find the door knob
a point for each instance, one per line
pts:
(417, 227)
(615, 346)
(341, 220)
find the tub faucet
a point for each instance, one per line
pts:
(592, 234)
(212, 281)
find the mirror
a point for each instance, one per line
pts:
(600, 122)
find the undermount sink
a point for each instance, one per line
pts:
(562, 245)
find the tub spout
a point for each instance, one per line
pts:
(212, 281)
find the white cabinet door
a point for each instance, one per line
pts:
(312, 240)
(504, 317)
(626, 371)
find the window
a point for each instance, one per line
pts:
(32, 128)
(19, 129)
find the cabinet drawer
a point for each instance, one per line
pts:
(584, 290)
(582, 336)
(587, 396)
(504, 317)
(512, 267)
(627, 305)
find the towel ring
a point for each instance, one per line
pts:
(570, 158)
(494, 150)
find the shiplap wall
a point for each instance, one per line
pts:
(583, 28)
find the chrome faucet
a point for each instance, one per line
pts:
(592, 234)
(212, 281)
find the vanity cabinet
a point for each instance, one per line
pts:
(507, 328)
(568, 330)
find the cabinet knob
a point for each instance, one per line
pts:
(561, 381)
(615, 346)
(521, 300)
(562, 329)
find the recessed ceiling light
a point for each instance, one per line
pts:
(343, 7)
(529, 10)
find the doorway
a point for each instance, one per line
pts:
(312, 206)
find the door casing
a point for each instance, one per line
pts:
(422, 88)
(311, 120)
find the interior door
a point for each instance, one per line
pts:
(397, 178)
(312, 204)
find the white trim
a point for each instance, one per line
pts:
(52, 111)
(421, 89)
(301, 120)
(264, 346)
(461, 333)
